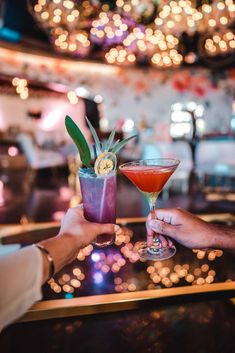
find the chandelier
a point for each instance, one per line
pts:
(178, 17)
(218, 15)
(138, 31)
(109, 28)
(139, 10)
(67, 22)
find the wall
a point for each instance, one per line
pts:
(127, 92)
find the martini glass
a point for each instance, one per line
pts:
(150, 176)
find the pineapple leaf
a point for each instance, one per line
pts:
(114, 145)
(95, 136)
(121, 144)
(109, 141)
(79, 140)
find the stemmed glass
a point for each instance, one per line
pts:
(150, 176)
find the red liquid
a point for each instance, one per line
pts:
(148, 178)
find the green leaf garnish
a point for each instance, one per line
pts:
(121, 144)
(95, 136)
(115, 144)
(79, 140)
(109, 141)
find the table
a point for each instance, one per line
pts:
(109, 299)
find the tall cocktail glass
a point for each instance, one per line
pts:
(99, 201)
(150, 176)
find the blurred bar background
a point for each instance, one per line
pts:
(161, 69)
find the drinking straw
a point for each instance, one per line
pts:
(94, 150)
(103, 198)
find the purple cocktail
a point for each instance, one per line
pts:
(98, 177)
(99, 201)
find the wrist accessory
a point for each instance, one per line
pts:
(49, 258)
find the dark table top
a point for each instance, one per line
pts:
(194, 327)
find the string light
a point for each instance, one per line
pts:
(178, 17)
(72, 97)
(120, 56)
(137, 9)
(109, 29)
(216, 15)
(76, 42)
(21, 86)
(220, 43)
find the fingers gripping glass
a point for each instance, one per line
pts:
(150, 176)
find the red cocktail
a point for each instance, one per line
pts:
(150, 176)
(147, 178)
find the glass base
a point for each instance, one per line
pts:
(154, 253)
(103, 241)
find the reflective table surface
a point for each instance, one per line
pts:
(178, 305)
(118, 268)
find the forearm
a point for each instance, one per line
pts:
(63, 250)
(20, 282)
(224, 237)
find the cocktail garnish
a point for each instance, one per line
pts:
(105, 159)
(105, 163)
(79, 140)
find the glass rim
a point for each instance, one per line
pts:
(96, 176)
(175, 163)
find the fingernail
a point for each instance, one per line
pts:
(116, 228)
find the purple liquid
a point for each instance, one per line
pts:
(99, 202)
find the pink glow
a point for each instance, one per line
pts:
(1, 193)
(58, 215)
(50, 121)
(13, 151)
(65, 193)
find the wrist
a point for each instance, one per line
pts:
(49, 269)
(72, 245)
(224, 237)
(62, 248)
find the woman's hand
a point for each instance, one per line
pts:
(84, 232)
(75, 233)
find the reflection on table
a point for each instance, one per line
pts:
(118, 268)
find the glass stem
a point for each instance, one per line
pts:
(152, 205)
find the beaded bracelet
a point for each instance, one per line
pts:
(49, 258)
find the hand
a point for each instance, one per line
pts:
(183, 227)
(84, 232)
(75, 233)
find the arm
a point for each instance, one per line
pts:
(75, 233)
(191, 231)
(23, 272)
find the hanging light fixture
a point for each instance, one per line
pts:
(178, 17)
(217, 48)
(109, 28)
(67, 22)
(120, 56)
(139, 10)
(75, 42)
(137, 31)
(218, 15)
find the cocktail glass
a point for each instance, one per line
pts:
(150, 176)
(99, 201)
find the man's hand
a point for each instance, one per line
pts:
(184, 227)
